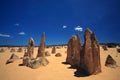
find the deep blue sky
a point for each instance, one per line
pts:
(32, 17)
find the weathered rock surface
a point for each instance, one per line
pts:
(73, 51)
(30, 51)
(12, 59)
(36, 62)
(90, 56)
(41, 50)
(40, 59)
(110, 62)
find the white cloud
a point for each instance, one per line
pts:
(64, 27)
(4, 35)
(21, 33)
(78, 28)
(16, 24)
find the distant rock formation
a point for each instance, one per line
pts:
(118, 50)
(47, 53)
(41, 50)
(12, 59)
(2, 50)
(90, 57)
(110, 62)
(53, 50)
(58, 55)
(104, 47)
(12, 50)
(20, 49)
(73, 51)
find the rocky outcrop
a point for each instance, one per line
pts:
(12, 59)
(36, 62)
(58, 55)
(29, 53)
(2, 50)
(20, 49)
(110, 62)
(90, 56)
(47, 53)
(41, 50)
(104, 47)
(40, 60)
(73, 51)
(30, 48)
(12, 50)
(53, 50)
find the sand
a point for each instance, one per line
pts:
(55, 70)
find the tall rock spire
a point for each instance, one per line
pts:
(41, 50)
(90, 58)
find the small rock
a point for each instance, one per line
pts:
(12, 59)
(58, 55)
(110, 62)
(47, 53)
(12, 50)
(104, 47)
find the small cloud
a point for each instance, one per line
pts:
(21, 33)
(64, 27)
(4, 35)
(16, 24)
(78, 28)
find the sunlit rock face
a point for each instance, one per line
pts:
(41, 49)
(90, 56)
(73, 51)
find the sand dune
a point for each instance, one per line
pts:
(55, 70)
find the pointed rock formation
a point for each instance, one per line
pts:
(30, 48)
(110, 62)
(12, 59)
(41, 50)
(28, 59)
(53, 50)
(73, 51)
(30, 51)
(90, 56)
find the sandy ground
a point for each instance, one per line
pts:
(55, 70)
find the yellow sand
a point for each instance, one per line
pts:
(55, 70)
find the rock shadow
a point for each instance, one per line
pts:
(65, 63)
(80, 73)
(20, 65)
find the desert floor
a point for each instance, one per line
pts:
(55, 70)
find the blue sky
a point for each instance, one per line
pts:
(59, 19)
